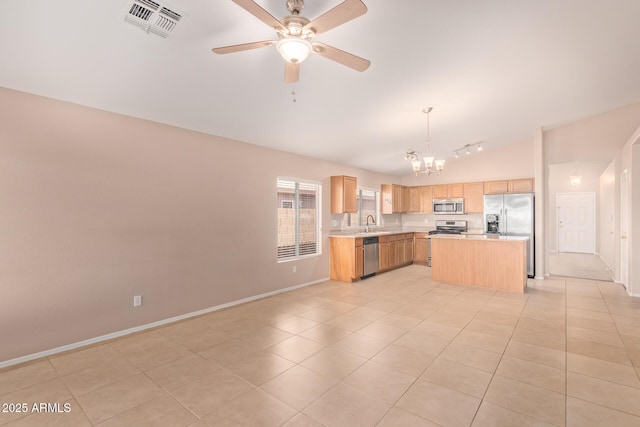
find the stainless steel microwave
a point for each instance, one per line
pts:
(448, 206)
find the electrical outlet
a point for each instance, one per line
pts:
(295, 269)
(137, 300)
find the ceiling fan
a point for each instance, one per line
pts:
(295, 34)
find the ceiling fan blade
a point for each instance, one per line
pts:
(244, 46)
(340, 56)
(256, 10)
(291, 72)
(344, 12)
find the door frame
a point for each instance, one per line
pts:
(624, 229)
(592, 194)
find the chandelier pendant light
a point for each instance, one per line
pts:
(431, 165)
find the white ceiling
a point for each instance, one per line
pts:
(494, 70)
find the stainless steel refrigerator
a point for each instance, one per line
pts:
(514, 214)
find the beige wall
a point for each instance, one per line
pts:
(97, 207)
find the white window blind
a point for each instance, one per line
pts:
(298, 219)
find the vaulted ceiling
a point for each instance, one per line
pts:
(492, 70)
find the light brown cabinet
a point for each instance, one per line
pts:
(414, 200)
(510, 186)
(344, 190)
(426, 199)
(521, 186)
(346, 261)
(421, 248)
(383, 253)
(408, 248)
(393, 198)
(474, 197)
(448, 191)
(393, 251)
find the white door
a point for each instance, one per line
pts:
(576, 222)
(624, 228)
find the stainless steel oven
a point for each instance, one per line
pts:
(448, 206)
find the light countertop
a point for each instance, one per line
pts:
(480, 237)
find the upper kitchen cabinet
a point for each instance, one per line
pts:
(448, 191)
(393, 199)
(426, 199)
(521, 186)
(474, 197)
(414, 200)
(344, 191)
(511, 186)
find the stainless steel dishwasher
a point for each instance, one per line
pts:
(371, 257)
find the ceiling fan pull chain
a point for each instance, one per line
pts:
(293, 93)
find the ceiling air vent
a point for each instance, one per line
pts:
(153, 17)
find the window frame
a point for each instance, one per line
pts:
(358, 214)
(297, 205)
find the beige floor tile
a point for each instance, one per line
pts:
(25, 376)
(100, 375)
(349, 322)
(419, 340)
(586, 414)
(260, 367)
(344, 405)
(319, 314)
(616, 396)
(439, 404)
(453, 319)
(181, 372)
(383, 305)
(629, 330)
(490, 415)
(137, 342)
(67, 363)
(160, 412)
(403, 359)
(537, 354)
(325, 334)
(298, 386)
(380, 382)
(117, 398)
(255, 408)
(611, 339)
(608, 326)
(302, 420)
(472, 356)
(489, 328)
(158, 355)
(265, 337)
(458, 377)
(602, 369)
(211, 392)
(532, 373)
(49, 391)
(361, 345)
(295, 324)
(334, 363)
(56, 418)
(229, 352)
(589, 314)
(541, 326)
(382, 331)
(526, 399)
(438, 330)
(200, 341)
(415, 311)
(367, 313)
(397, 417)
(477, 339)
(598, 351)
(555, 342)
(182, 328)
(296, 348)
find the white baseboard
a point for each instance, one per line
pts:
(124, 332)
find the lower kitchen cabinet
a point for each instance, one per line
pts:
(421, 248)
(383, 251)
(346, 259)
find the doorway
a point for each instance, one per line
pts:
(576, 222)
(624, 228)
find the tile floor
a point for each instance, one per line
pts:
(393, 350)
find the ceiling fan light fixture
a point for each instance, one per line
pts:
(293, 49)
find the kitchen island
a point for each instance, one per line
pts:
(478, 260)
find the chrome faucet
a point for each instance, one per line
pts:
(366, 229)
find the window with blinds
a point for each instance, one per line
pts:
(298, 218)
(367, 202)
